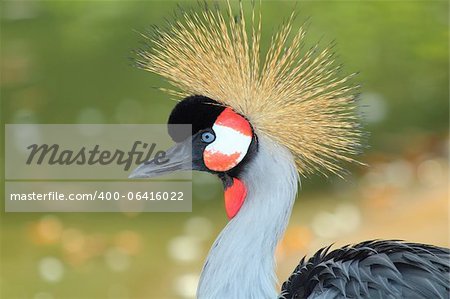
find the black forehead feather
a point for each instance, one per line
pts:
(199, 111)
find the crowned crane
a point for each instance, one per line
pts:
(260, 122)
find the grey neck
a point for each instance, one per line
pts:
(241, 261)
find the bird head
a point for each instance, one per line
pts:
(221, 142)
(233, 96)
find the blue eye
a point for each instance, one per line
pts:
(208, 137)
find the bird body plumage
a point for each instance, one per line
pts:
(372, 269)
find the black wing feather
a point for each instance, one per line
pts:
(372, 269)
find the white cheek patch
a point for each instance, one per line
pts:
(229, 141)
(229, 148)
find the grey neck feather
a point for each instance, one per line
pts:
(241, 261)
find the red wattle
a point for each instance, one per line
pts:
(234, 197)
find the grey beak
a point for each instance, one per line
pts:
(178, 157)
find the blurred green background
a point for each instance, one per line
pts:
(67, 62)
